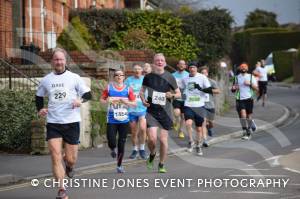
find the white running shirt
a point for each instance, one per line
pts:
(263, 73)
(194, 97)
(244, 90)
(61, 91)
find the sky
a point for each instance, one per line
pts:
(288, 11)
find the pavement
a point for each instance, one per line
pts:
(16, 168)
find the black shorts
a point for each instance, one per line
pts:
(246, 104)
(159, 119)
(196, 114)
(68, 132)
(262, 85)
(210, 113)
(178, 104)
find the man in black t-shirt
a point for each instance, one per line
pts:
(161, 87)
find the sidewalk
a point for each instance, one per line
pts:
(14, 168)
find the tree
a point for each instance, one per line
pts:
(178, 5)
(261, 18)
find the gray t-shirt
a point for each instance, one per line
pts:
(210, 101)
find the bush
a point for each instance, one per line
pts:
(241, 50)
(262, 44)
(76, 36)
(16, 113)
(261, 18)
(115, 29)
(103, 24)
(212, 30)
(283, 63)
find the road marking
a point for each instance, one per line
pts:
(292, 170)
(298, 149)
(197, 191)
(253, 192)
(291, 197)
(255, 169)
(239, 192)
(274, 158)
(163, 197)
(258, 175)
(294, 184)
(12, 187)
(291, 121)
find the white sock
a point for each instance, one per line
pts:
(135, 148)
(142, 147)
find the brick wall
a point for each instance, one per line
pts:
(5, 25)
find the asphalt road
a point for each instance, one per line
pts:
(265, 167)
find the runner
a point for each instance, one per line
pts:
(160, 85)
(209, 105)
(262, 73)
(119, 97)
(196, 85)
(64, 90)
(147, 68)
(244, 85)
(137, 115)
(178, 104)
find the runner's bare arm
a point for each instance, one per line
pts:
(142, 96)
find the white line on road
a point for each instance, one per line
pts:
(292, 170)
(239, 192)
(297, 149)
(197, 191)
(255, 169)
(294, 184)
(291, 197)
(258, 175)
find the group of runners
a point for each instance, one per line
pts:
(142, 104)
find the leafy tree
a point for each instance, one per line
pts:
(261, 18)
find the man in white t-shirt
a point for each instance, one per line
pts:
(244, 86)
(262, 73)
(195, 86)
(64, 90)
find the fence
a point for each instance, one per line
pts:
(12, 78)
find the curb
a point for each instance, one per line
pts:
(264, 127)
(10, 179)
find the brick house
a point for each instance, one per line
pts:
(39, 22)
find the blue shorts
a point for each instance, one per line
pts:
(134, 116)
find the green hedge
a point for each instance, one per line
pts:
(204, 34)
(256, 43)
(212, 30)
(76, 36)
(283, 63)
(261, 44)
(241, 49)
(16, 113)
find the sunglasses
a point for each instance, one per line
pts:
(118, 75)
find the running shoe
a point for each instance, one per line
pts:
(70, 171)
(199, 151)
(253, 126)
(190, 147)
(133, 154)
(176, 126)
(149, 164)
(120, 169)
(162, 169)
(113, 154)
(62, 194)
(181, 135)
(143, 154)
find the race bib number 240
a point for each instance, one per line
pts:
(159, 98)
